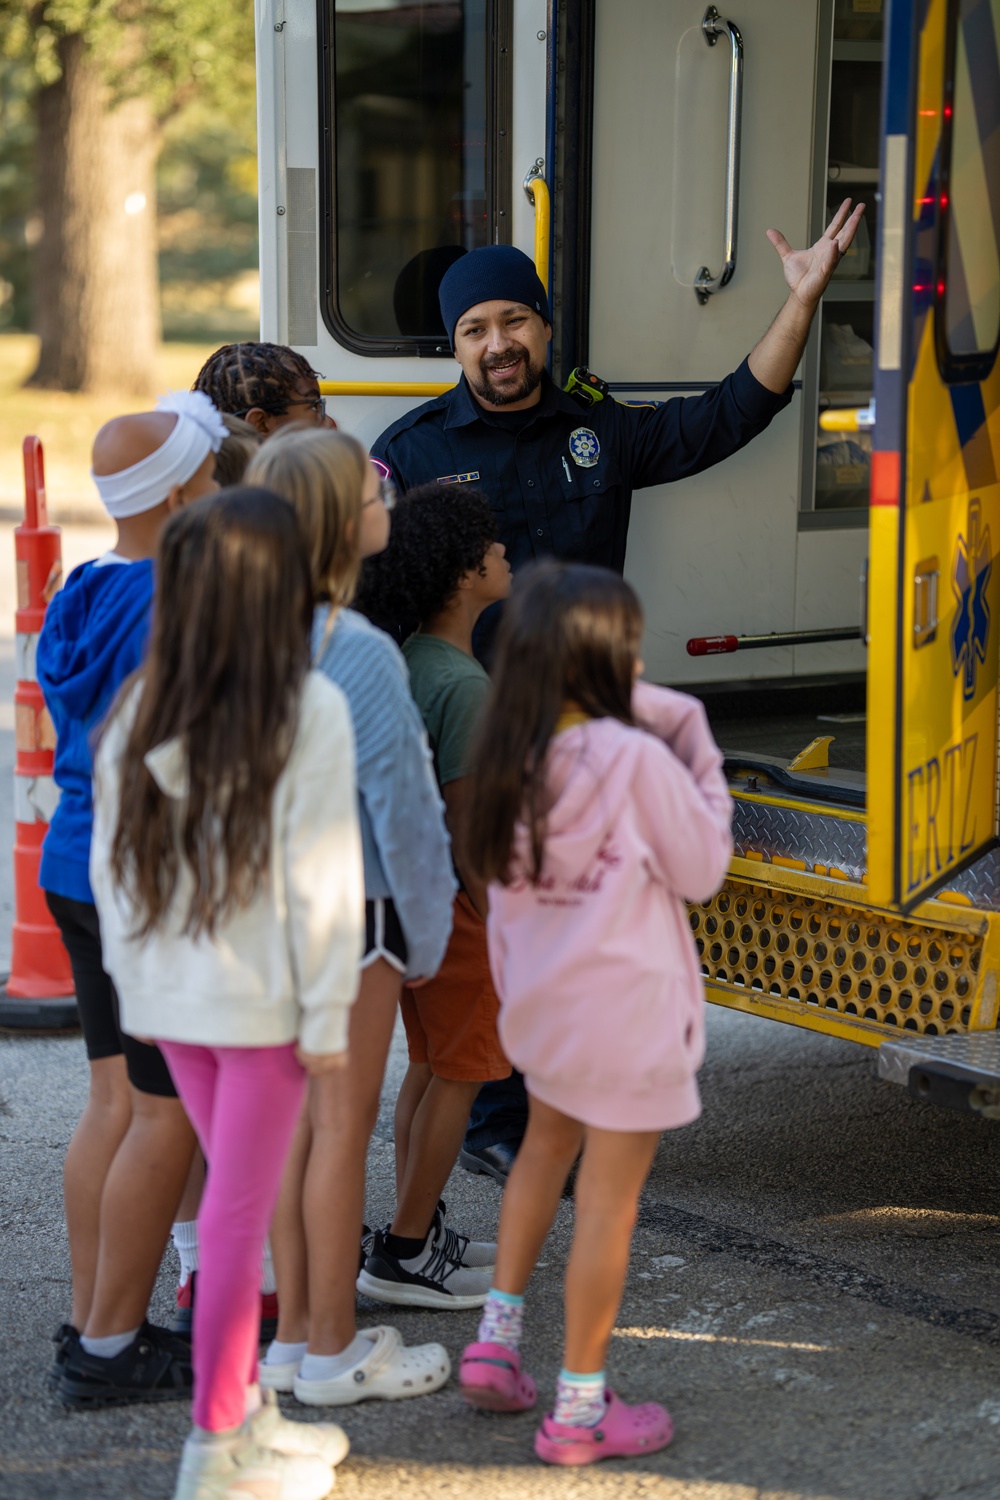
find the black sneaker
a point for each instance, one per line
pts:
(433, 1278)
(65, 1338)
(156, 1366)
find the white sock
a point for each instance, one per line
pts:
(326, 1366)
(268, 1284)
(107, 1348)
(285, 1354)
(185, 1237)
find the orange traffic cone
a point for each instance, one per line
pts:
(39, 989)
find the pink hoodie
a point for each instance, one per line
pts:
(596, 969)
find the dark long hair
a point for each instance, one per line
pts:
(228, 655)
(570, 634)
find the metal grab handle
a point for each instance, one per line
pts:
(713, 25)
(536, 191)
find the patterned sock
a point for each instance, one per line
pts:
(579, 1399)
(268, 1284)
(185, 1238)
(503, 1314)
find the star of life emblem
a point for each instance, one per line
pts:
(584, 449)
(971, 625)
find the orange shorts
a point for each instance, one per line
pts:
(451, 1022)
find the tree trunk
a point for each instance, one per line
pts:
(96, 285)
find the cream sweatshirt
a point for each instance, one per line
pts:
(285, 967)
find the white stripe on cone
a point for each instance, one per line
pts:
(25, 649)
(35, 798)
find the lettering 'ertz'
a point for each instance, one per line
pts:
(941, 818)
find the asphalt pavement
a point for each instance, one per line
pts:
(814, 1292)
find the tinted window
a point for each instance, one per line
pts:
(414, 107)
(968, 311)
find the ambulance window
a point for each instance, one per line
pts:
(968, 281)
(414, 96)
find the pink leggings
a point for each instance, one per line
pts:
(244, 1103)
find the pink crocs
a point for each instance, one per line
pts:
(625, 1431)
(489, 1376)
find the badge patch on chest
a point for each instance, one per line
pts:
(584, 449)
(458, 478)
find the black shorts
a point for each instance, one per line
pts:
(384, 935)
(97, 1001)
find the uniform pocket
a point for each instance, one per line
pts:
(593, 495)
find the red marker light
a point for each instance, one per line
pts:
(712, 645)
(940, 288)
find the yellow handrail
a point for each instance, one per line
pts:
(847, 419)
(384, 387)
(537, 190)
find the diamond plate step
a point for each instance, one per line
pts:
(960, 1072)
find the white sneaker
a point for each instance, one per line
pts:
(241, 1469)
(270, 1429)
(431, 1279)
(388, 1372)
(474, 1253)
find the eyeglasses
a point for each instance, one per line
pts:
(386, 495)
(318, 406)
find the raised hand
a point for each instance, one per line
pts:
(808, 272)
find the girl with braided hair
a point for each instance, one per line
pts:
(268, 385)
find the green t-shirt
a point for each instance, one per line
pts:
(450, 689)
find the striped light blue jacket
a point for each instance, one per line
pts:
(407, 851)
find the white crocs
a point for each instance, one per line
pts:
(278, 1377)
(270, 1429)
(239, 1468)
(389, 1372)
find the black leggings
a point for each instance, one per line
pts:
(97, 1001)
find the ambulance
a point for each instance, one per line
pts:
(638, 150)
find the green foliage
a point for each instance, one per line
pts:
(169, 51)
(17, 137)
(197, 61)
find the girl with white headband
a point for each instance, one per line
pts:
(130, 1153)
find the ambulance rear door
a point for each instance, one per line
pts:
(934, 582)
(716, 553)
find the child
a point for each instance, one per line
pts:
(441, 569)
(340, 502)
(127, 1161)
(268, 385)
(599, 806)
(241, 443)
(226, 864)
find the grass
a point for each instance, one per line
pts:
(66, 424)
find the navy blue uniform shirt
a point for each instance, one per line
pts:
(560, 477)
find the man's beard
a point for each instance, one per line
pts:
(531, 379)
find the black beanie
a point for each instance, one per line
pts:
(494, 273)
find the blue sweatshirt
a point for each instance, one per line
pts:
(94, 637)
